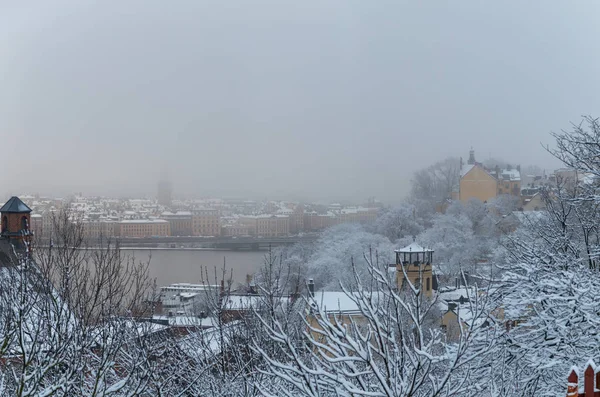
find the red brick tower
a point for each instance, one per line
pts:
(16, 220)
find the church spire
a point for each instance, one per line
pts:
(471, 156)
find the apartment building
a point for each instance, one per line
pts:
(37, 225)
(356, 215)
(181, 222)
(185, 298)
(143, 228)
(272, 225)
(267, 225)
(206, 222)
(314, 221)
(234, 230)
(478, 182)
(97, 228)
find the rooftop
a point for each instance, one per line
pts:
(144, 221)
(338, 301)
(414, 247)
(15, 205)
(512, 175)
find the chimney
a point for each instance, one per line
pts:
(497, 171)
(311, 287)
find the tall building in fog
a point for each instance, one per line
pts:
(165, 191)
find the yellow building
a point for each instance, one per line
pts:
(509, 181)
(336, 306)
(143, 228)
(535, 203)
(415, 261)
(97, 228)
(206, 222)
(477, 182)
(266, 225)
(272, 225)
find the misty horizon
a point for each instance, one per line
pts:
(329, 100)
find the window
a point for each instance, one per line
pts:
(428, 284)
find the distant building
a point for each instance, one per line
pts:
(233, 230)
(184, 298)
(165, 192)
(297, 219)
(272, 225)
(509, 181)
(206, 222)
(477, 182)
(534, 203)
(37, 225)
(97, 228)
(356, 215)
(181, 222)
(143, 228)
(314, 221)
(267, 225)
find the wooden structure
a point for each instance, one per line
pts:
(591, 382)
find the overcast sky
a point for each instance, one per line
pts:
(299, 99)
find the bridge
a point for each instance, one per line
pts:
(229, 243)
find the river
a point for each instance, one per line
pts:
(170, 266)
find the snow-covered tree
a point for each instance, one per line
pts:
(70, 328)
(386, 347)
(550, 284)
(437, 181)
(399, 222)
(331, 261)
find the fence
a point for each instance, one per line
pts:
(591, 382)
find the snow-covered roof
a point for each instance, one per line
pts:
(188, 287)
(413, 247)
(512, 175)
(144, 221)
(241, 302)
(15, 205)
(455, 294)
(187, 321)
(334, 301)
(587, 178)
(465, 170)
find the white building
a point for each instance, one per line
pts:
(185, 298)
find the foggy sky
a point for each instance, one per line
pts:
(284, 99)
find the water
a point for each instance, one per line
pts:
(170, 266)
